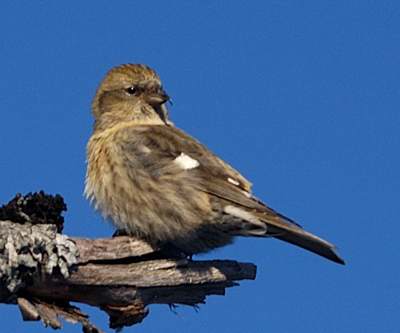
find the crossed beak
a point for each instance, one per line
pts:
(158, 97)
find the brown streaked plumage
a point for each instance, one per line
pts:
(155, 182)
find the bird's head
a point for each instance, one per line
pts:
(130, 92)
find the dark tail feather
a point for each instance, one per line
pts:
(294, 234)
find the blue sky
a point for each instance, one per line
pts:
(301, 96)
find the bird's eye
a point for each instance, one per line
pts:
(131, 90)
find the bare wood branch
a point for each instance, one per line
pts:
(43, 271)
(111, 248)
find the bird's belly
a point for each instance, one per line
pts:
(160, 211)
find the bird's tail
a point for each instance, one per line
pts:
(284, 229)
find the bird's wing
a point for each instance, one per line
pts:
(169, 146)
(212, 162)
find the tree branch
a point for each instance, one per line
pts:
(43, 271)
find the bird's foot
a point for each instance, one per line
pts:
(171, 251)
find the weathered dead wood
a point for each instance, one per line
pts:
(43, 271)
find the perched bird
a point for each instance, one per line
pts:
(155, 182)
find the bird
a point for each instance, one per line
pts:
(157, 183)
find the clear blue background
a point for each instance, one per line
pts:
(301, 96)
